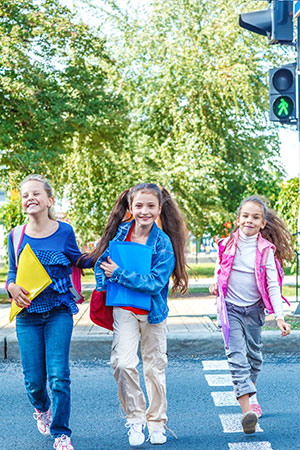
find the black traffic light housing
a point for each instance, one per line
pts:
(282, 94)
(276, 22)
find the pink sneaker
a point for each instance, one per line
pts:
(43, 421)
(63, 442)
(256, 408)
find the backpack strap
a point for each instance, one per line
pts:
(17, 237)
(265, 256)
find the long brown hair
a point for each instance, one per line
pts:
(171, 221)
(275, 230)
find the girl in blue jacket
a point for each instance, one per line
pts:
(146, 202)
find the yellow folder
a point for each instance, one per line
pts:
(31, 275)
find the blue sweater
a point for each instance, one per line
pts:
(56, 253)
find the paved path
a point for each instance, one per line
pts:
(192, 329)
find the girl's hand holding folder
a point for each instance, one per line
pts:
(108, 267)
(19, 295)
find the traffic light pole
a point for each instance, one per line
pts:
(297, 311)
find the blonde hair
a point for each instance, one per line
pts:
(46, 186)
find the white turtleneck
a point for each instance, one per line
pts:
(242, 288)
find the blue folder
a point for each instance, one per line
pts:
(133, 257)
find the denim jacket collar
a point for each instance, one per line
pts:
(152, 238)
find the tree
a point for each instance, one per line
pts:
(58, 110)
(196, 87)
(287, 203)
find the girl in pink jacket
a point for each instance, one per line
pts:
(249, 274)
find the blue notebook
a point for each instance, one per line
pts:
(133, 257)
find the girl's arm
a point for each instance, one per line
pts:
(101, 279)
(73, 253)
(275, 294)
(151, 283)
(213, 288)
(273, 286)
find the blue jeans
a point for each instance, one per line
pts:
(44, 342)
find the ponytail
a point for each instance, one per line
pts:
(117, 215)
(173, 225)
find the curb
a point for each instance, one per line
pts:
(197, 344)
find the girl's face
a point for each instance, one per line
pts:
(251, 219)
(145, 208)
(34, 198)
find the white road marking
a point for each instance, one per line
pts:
(219, 380)
(215, 365)
(250, 446)
(226, 398)
(231, 423)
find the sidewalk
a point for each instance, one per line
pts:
(192, 331)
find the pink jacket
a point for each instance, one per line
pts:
(227, 255)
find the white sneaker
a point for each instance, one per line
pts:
(136, 433)
(63, 442)
(157, 437)
(43, 421)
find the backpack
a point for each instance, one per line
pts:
(17, 237)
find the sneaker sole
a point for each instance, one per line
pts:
(249, 423)
(44, 434)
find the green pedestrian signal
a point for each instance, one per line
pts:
(283, 107)
(282, 94)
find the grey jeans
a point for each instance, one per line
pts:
(244, 349)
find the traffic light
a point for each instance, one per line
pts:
(282, 93)
(276, 22)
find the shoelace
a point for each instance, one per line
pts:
(132, 427)
(63, 440)
(43, 416)
(166, 428)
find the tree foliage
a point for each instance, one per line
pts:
(58, 111)
(175, 95)
(287, 203)
(195, 84)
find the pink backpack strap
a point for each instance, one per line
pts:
(76, 284)
(265, 257)
(17, 235)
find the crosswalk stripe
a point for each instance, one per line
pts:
(250, 446)
(226, 398)
(219, 380)
(215, 365)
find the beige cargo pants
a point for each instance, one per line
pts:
(129, 329)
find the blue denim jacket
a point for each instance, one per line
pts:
(155, 283)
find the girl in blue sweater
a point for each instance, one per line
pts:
(44, 326)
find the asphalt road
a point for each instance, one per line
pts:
(195, 389)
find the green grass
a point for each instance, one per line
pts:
(292, 320)
(204, 270)
(289, 291)
(3, 274)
